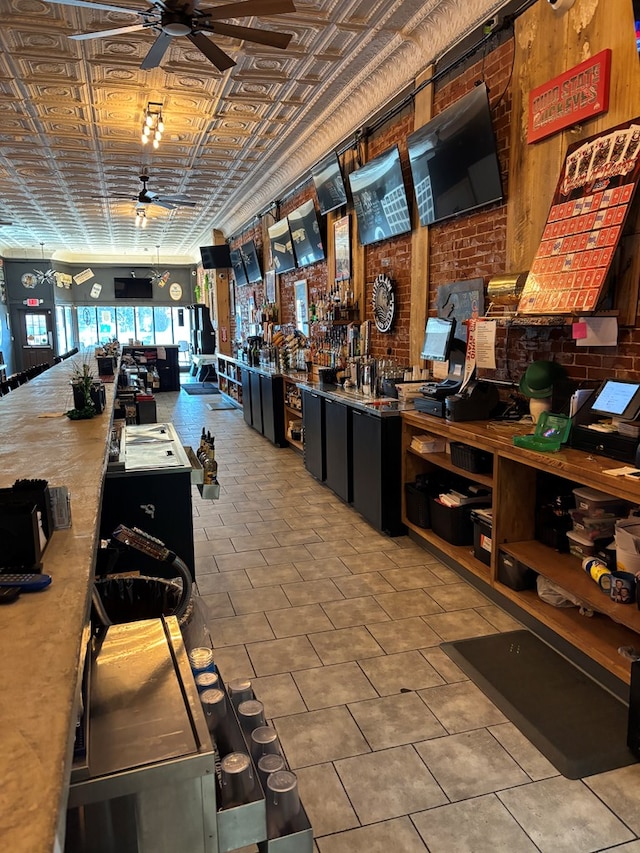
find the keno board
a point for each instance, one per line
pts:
(588, 212)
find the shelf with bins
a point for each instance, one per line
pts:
(517, 480)
(293, 413)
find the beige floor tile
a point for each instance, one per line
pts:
(296, 537)
(273, 575)
(480, 825)
(258, 600)
(355, 586)
(402, 635)
(254, 542)
(443, 665)
(272, 514)
(532, 761)
(345, 644)
(325, 800)
(370, 561)
(355, 611)
(620, 790)
(225, 531)
(279, 695)
(575, 820)
(407, 556)
(399, 835)
(292, 621)
(470, 764)
(462, 706)
(411, 577)
(333, 685)
(273, 656)
(395, 720)
(287, 554)
(276, 525)
(213, 547)
(319, 736)
(459, 625)
(388, 784)
(331, 548)
(205, 566)
(240, 629)
(400, 605)
(445, 574)
(329, 532)
(233, 662)
(400, 672)
(458, 596)
(217, 582)
(239, 516)
(218, 605)
(245, 560)
(331, 567)
(499, 618)
(311, 592)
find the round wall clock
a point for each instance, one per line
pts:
(29, 280)
(175, 291)
(384, 303)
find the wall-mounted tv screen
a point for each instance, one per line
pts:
(215, 257)
(133, 288)
(282, 246)
(305, 232)
(251, 262)
(329, 183)
(239, 272)
(379, 198)
(454, 160)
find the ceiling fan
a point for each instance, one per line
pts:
(171, 18)
(146, 197)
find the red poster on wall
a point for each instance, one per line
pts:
(578, 94)
(587, 215)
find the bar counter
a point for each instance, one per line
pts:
(41, 634)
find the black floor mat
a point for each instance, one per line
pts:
(200, 388)
(580, 727)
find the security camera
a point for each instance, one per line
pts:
(561, 6)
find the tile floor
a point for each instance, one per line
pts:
(339, 629)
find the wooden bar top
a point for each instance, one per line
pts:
(41, 633)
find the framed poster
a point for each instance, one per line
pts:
(270, 285)
(302, 310)
(342, 248)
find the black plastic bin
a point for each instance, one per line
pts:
(514, 574)
(471, 458)
(482, 528)
(417, 505)
(451, 523)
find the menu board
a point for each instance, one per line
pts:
(587, 215)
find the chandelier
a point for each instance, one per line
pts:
(152, 124)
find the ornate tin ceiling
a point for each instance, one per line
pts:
(71, 116)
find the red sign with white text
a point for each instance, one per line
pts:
(571, 98)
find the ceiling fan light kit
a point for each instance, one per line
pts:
(152, 124)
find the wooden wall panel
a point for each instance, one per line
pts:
(547, 44)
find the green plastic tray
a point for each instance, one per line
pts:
(551, 433)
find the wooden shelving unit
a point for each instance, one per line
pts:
(516, 475)
(229, 380)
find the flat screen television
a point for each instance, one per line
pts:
(251, 262)
(282, 246)
(215, 257)
(380, 199)
(133, 288)
(454, 160)
(438, 338)
(329, 183)
(618, 399)
(239, 272)
(305, 233)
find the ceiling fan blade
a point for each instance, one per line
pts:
(102, 33)
(249, 8)
(156, 52)
(167, 205)
(251, 34)
(176, 202)
(213, 53)
(106, 7)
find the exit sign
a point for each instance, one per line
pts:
(32, 303)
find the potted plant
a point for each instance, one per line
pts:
(88, 393)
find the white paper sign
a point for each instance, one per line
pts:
(83, 276)
(486, 344)
(470, 359)
(95, 291)
(601, 332)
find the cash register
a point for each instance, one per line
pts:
(608, 421)
(440, 344)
